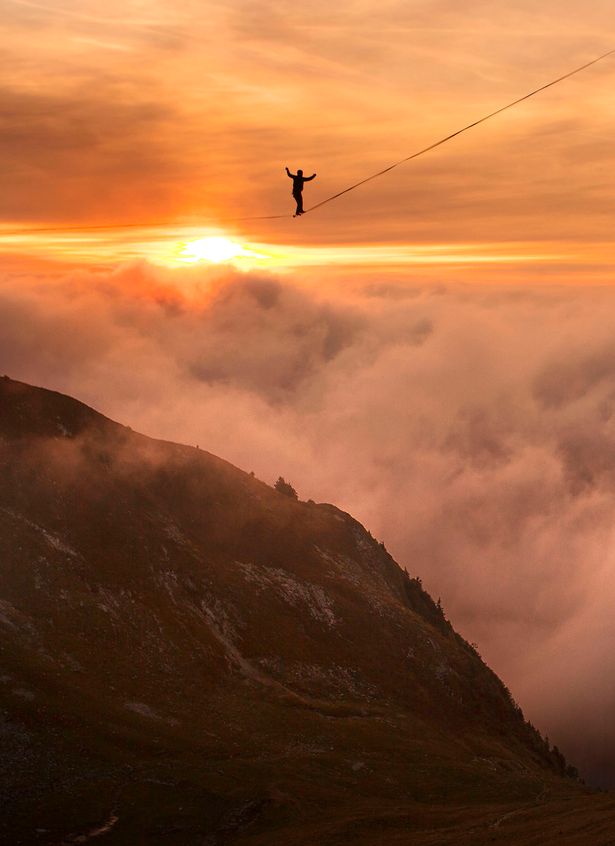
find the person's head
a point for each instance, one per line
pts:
(299, 172)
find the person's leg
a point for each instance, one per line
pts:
(299, 200)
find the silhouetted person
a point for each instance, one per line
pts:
(298, 180)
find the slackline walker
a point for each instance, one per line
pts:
(297, 194)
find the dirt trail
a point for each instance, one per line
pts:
(540, 799)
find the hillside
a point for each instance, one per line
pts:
(188, 656)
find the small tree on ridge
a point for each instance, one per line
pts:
(284, 487)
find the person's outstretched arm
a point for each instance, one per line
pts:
(292, 175)
(309, 178)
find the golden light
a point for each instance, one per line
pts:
(215, 249)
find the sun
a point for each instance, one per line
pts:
(214, 249)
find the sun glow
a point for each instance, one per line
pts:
(215, 249)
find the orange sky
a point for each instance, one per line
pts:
(143, 110)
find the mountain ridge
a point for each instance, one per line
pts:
(162, 610)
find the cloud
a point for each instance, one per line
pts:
(60, 148)
(471, 428)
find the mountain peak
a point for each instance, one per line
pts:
(187, 624)
(29, 411)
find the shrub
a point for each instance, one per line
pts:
(284, 487)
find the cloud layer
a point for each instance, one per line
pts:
(471, 428)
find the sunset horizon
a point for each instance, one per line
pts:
(199, 140)
(307, 423)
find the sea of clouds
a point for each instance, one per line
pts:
(472, 428)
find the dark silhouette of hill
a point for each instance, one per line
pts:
(189, 656)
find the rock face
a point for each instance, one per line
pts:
(189, 656)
